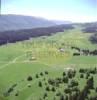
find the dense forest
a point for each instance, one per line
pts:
(25, 34)
(91, 28)
(20, 35)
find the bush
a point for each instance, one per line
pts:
(41, 74)
(71, 73)
(58, 80)
(45, 95)
(67, 91)
(53, 89)
(46, 72)
(29, 78)
(64, 73)
(73, 83)
(37, 76)
(87, 75)
(47, 88)
(65, 79)
(16, 94)
(51, 81)
(81, 75)
(40, 84)
(58, 93)
(82, 70)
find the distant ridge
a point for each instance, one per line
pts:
(18, 22)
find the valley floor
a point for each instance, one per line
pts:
(50, 56)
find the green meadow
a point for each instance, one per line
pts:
(30, 58)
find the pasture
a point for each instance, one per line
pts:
(41, 59)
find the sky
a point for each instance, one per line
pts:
(68, 10)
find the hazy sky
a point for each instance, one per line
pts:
(71, 10)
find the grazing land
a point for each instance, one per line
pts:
(53, 67)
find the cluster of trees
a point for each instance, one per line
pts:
(10, 90)
(83, 51)
(66, 86)
(72, 90)
(29, 79)
(20, 35)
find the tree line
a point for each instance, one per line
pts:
(20, 35)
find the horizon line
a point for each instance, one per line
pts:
(49, 19)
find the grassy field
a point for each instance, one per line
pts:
(20, 60)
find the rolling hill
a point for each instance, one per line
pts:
(44, 68)
(17, 22)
